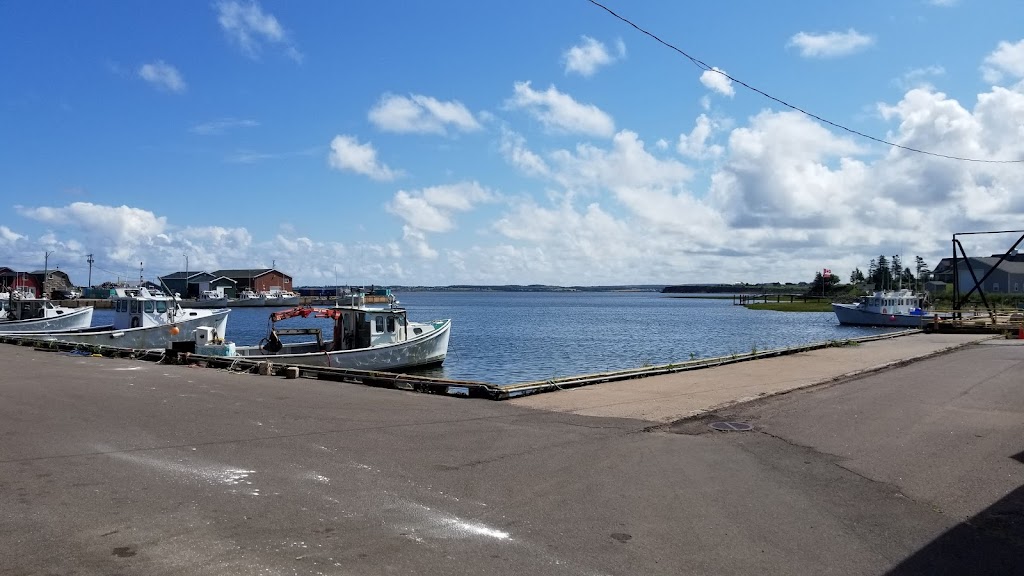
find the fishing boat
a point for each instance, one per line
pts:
(271, 298)
(208, 299)
(145, 321)
(902, 308)
(363, 337)
(22, 313)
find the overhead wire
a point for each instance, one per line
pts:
(703, 66)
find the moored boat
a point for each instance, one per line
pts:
(363, 337)
(900, 308)
(208, 299)
(271, 298)
(145, 321)
(19, 313)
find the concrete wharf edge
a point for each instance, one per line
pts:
(686, 394)
(658, 394)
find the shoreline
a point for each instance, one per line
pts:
(670, 397)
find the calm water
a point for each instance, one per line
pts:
(506, 337)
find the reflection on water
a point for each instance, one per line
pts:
(506, 337)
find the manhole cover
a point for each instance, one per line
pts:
(731, 426)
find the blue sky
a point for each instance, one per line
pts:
(490, 143)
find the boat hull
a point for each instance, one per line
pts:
(429, 349)
(207, 303)
(146, 338)
(76, 319)
(268, 301)
(849, 314)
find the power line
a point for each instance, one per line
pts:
(700, 64)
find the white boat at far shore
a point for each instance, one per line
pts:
(899, 308)
(246, 299)
(272, 298)
(144, 321)
(19, 313)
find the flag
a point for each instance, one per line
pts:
(827, 273)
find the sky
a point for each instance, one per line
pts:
(528, 142)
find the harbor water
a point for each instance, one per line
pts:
(509, 337)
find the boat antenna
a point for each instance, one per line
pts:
(174, 298)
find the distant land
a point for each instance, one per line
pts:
(530, 288)
(676, 289)
(740, 288)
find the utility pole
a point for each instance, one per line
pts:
(90, 261)
(46, 271)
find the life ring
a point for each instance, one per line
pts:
(883, 311)
(135, 322)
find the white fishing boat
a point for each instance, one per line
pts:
(902, 308)
(363, 337)
(22, 313)
(145, 321)
(271, 298)
(208, 299)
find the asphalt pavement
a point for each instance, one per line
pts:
(122, 467)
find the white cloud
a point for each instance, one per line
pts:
(514, 149)
(715, 79)
(694, 144)
(348, 154)
(830, 44)
(624, 167)
(119, 224)
(1007, 60)
(417, 240)
(589, 55)
(432, 209)
(9, 238)
(221, 125)
(421, 114)
(918, 77)
(559, 112)
(250, 28)
(163, 76)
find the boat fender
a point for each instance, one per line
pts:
(883, 311)
(135, 322)
(273, 344)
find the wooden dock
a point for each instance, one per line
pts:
(744, 299)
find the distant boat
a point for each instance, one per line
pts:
(207, 299)
(363, 338)
(21, 313)
(248, 298)
(144, 321)
(271, 298)
(902, 308)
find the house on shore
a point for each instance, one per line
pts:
(37, 283)
(229, 281)
(1008, 278)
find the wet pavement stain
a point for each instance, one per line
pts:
(621, 536)
(123, 552)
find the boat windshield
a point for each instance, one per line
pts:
(161, 306)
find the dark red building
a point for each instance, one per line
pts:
(258, 279)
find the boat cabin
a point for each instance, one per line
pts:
(893, 302)
(206, 295)
(355, 327)
(248, 295)
(140, 308)
(15, 308)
